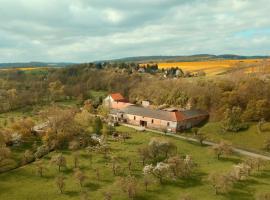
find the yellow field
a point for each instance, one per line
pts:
(24, 68)
(213, 67)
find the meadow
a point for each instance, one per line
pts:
(24, 183)
(249, 139)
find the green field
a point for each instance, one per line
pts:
(24, 184)
(247, 139)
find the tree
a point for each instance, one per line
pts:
(144, 154)
(23, 127)
(84, 118)
(79, 176)
(185, 197)
(87, 105)
(56, 90)
(104, 149)
(74, 145)
(195, 131)
(201, 138)
(28, 157)
(176, 165)
(41, 151)
(147, 180)
(263, 196)
(160, 171)
(233, 121)
(128, 185)
(115, 165)
(159, 148)
(129, 165)
(59, 160)
(260, 125)
(5, 155)
(97, 174)
(241, 171)
(181, 167)
(107, 195)
(223, 148)
(76, 159)
(61, 126)
(84, 195)
(59, 181)
(221, 183)
(267, 145)
(40, 168)
(97, 125)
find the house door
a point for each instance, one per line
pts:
(143, 123)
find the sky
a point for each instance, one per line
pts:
(89, 30)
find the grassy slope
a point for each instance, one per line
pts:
(24, 184)
(249, 139)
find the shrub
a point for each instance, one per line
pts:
(41, 151)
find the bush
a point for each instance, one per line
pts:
(28, 157)
(42, 151)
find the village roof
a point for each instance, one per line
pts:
(193, 113)
(151, 113)
(117, 97)
(160, 114)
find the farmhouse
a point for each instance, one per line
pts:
(167, 120)
(116, 101)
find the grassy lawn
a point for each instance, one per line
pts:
(24, 184)
(248, 139)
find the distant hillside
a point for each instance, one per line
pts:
(34, 64)
(191, 58)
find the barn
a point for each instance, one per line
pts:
(171, 120)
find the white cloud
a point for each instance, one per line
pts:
(113, 16)
(83, 30)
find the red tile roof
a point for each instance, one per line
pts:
(117, 97)
(178, 116)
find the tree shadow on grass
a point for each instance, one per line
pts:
(92, 186)
(263, 174)
(133, 143)
(71, 193)
(242, 190)
(234, 160)
(186, 183)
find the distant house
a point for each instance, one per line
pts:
(168, 120)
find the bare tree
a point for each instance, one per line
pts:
(40, 168)
(263, 196)
(59, 160)
(115, 165)
(76, 156)
(128, 185)
(97, 174)
(223, 148)
(144, 154)
(60, 183)
(201, 138)
(147, 180)
(222, 183)
(80, 177)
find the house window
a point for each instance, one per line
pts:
(134, 117)
(168, 123)
(152, 121)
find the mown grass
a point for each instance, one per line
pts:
(24, 184)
